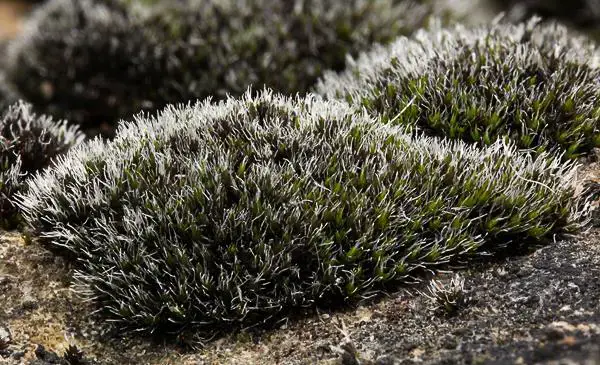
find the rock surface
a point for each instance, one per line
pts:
(540, 308)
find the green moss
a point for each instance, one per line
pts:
(29, 143)
(95, 61)
(216, 216)
(532, 84)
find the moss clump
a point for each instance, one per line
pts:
(215, 216)
(94, 61)
(533, 84)
(582, 14)
(29, 143)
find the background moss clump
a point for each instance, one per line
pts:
(95, 61)
(7, 97)
(536, 85)
(28, 144)
(214, 216)
(581, 14)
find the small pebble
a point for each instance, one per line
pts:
(5, 337)
(47, 356)
(29, 303)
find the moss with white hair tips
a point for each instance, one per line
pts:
(535, 85)
(29, 143)
(223, 215)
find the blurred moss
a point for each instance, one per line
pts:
(583, 15)
(96, 61)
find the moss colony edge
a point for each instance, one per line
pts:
(29, 143)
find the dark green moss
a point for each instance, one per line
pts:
(220, 216)
(95, 61)
(28, 144)
(532, 84)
